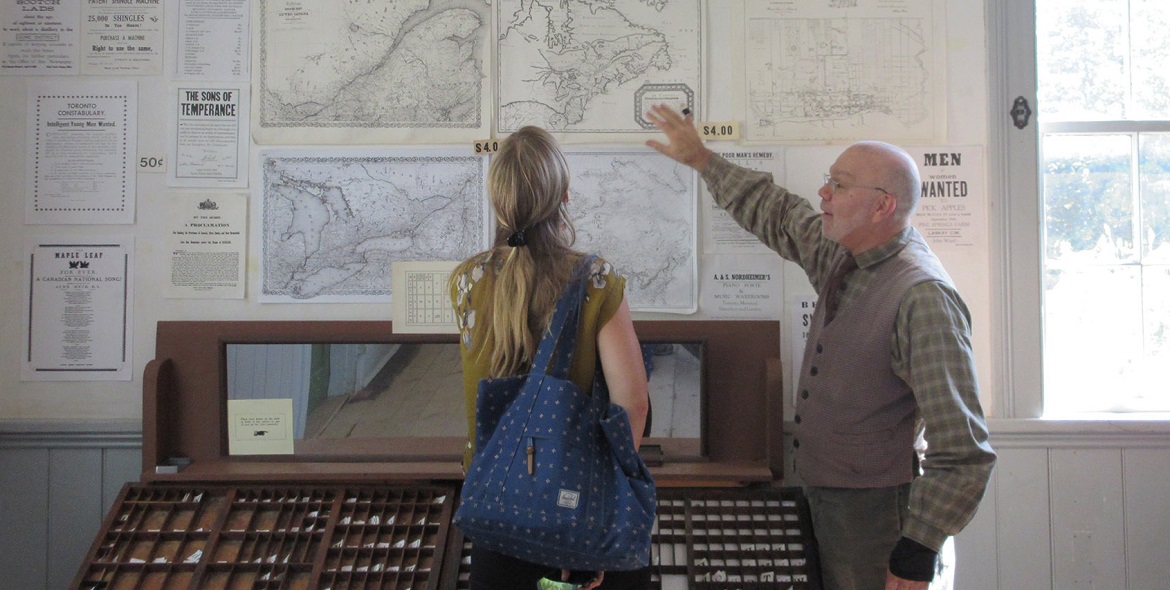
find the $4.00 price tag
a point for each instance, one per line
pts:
(718, 131)
(487, 146)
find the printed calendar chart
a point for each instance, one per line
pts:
(421, 303)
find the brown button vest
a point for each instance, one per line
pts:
(856, 426)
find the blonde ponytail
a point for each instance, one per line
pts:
(528, 182)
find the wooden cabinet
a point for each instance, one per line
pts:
(376, 513)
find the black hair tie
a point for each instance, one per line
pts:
(517, 239)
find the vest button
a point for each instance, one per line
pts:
(820, 348)
(813, 371)
(796, 443)
(804, 394)
(797, 419)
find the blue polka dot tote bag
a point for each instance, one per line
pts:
(556, 479)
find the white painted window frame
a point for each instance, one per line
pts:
(1017, 222)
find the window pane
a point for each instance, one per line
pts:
(1155, 198)
(1156, 292)
(1151, 56)
(1093, 358)
(1088, 199)
(1106, 199)
(1080, 59)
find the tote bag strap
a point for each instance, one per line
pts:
(552, 354)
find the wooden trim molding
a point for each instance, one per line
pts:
(69, 436)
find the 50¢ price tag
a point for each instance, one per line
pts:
(152, 164)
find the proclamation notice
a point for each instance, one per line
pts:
(81, 143)
(77, 320)
(208, 242)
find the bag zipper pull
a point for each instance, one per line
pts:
(531, 456)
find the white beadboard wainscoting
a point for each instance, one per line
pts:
(1071, 505)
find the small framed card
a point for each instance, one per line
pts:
(260, 426)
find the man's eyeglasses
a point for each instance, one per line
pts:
(836, 187)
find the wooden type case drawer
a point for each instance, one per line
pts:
(270, 537)
(715, 539)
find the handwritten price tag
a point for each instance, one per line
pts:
(487, 146)
(727, 130)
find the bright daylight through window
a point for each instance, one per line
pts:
(1103, 101)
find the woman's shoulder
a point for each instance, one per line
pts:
(603, 274)
(468, 274)
(478, 262)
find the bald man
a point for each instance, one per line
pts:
(888, 365)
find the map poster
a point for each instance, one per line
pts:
(638, 211)
(333, 222)
(371, 72)
(78, 311)
(582, 67)
(844, 69)
(39, 38)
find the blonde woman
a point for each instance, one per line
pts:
(504, 299)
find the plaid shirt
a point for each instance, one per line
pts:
(930, 348)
